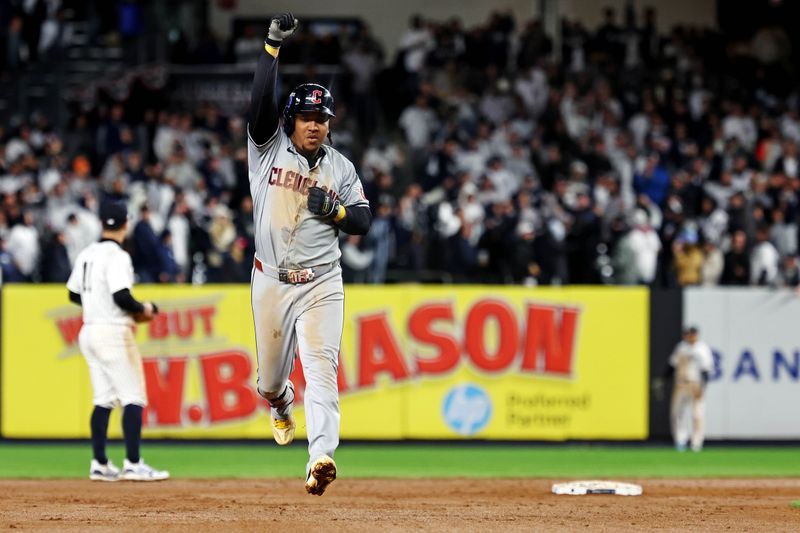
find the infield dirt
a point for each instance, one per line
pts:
(354, 505)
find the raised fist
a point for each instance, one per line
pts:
(281, 27)
(321, 203)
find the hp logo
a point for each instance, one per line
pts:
(467, 409)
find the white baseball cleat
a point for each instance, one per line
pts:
(106, 472)
(321, 474)
(141, 471)
(283, 430)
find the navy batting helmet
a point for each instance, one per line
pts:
(309, 97)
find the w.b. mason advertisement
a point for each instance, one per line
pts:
(416, 362)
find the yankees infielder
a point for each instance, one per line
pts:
(691, 362)
(303, 193)
(101, 282)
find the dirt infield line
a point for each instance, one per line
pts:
(355, 505)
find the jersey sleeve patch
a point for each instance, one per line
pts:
(353, 190)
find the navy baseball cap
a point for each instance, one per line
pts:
(113, 215)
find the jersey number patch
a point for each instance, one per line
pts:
(87, 275)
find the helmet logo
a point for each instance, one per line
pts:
(316, 97)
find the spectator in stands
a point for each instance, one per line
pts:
(82, 229)
(582, 240)
(713, 264)
(146, 246)
(222, 235)
(363, 63)
(380, 240)
(23, 246)
(764, 261)
(462, 253)
(653, 181)
(688, 258)
(415, 44)
(644, 245)
(56, 266)
(737, 261)
(783, 234)
(411, 226)
(790, 272)
(788, 163)
(9, 272)
(418, 122)
(169, 268)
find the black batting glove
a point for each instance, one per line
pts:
(281, 27)
(321, 203)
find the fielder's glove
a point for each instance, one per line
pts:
(281, 27)
(144, 316)
(321, 203)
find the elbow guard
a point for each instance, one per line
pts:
(357, 220)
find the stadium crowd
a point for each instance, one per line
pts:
(627, 156)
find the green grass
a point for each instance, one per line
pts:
(47, 460)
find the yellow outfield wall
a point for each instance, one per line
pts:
(417, 362)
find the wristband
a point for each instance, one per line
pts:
(272, 50)
(341, 214)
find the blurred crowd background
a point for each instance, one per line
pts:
(490, 153)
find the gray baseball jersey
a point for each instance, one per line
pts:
(288, 235)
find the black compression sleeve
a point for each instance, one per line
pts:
(75, 298)
(356, 221)
(127, 302)
(263, 107)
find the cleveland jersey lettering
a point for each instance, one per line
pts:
(291, 180)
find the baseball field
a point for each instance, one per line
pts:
(408, 486)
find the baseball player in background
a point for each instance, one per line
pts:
(691, 363)
(101, 284)
(304, 194)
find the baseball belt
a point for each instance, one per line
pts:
(294, 276)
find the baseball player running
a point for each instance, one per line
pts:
(101, 284)
(691, 362)
(303, 193)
